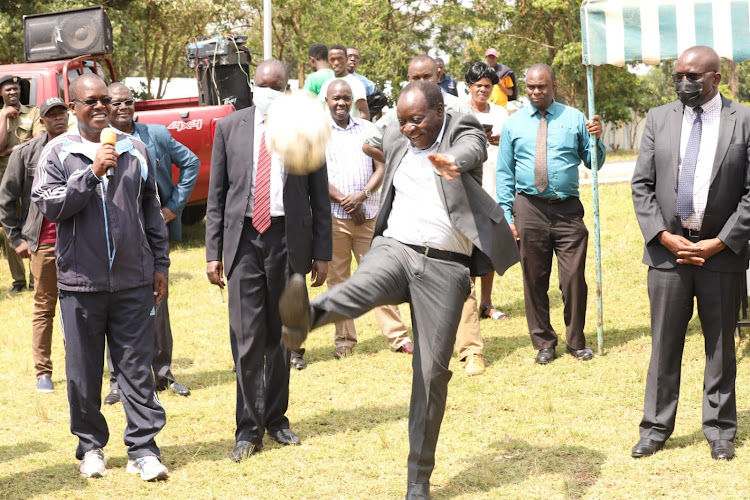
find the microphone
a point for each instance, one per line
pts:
(109, 136)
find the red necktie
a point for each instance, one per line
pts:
(262, 196)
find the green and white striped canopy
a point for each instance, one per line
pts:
(650, 31)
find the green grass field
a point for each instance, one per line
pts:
(519, 431)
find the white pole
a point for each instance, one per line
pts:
(267, 29)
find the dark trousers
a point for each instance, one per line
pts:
(671, 293)
(546, 228)
(124, 318)
(392, 273)
(255, 284)
(162, 363)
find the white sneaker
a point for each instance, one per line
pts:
(94, 464)
(149, 467)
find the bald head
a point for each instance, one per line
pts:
(704, 56)
(422, 68)
(85, 81)
(271, 73)
(118, 87)
(338, 85)
(697, 75)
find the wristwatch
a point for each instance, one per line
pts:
(367, 192)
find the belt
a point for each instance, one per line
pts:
(441, 254)
(548, 201)
(691, 234)
(274, 220)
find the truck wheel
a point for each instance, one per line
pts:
(193, 214)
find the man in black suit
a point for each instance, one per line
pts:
(436, 225)
(691, 192)
(265, 224)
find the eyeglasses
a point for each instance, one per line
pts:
(106, 101)
(693, 77)
(117, 104)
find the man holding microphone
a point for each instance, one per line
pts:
(112, 269)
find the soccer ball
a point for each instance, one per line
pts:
(297, 129)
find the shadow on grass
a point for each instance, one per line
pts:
(515, 461)
(42, 482)
(8, 453)
(213, 378)
(322, 424)
(193, 236)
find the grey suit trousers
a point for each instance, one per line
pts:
(392, 273)
(671, 293)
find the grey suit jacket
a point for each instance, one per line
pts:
(307, 208)
(471, 210)
(656, 177)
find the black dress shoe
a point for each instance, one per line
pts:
(646, 447)
(294, 309)
(17, 288)
(179, 389)
(297, 361)
(244, 449)
(418, 491)
(722, 449)
(285, 437)
(584, 354)
(545, 356)
(113, 397)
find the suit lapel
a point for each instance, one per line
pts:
(726, 131)
(675, 130)
(248, 130)
(392, 165)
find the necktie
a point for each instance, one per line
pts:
(687, 172)
(262, 196)
(540, 158)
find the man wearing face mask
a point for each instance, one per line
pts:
(691, 192)
(261, 225)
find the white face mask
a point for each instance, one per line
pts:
(263, 97)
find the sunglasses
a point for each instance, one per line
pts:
(693, 77)
(106, 101)
(117, 104)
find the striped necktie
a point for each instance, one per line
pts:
(262, 195)
(540, 156)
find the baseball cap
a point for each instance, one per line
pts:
(50, 103)
(491, 52)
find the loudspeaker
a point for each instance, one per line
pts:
(64, 35)
(224, 85)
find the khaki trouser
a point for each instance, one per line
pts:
(15, 262)
(468, 337)
(44, 270)
(349, 238)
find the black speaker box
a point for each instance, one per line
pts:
(64, 35)
(224, 85)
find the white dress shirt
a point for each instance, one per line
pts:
(278, 174)
(709, 139)
(418, 216)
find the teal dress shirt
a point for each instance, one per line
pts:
(567, 146)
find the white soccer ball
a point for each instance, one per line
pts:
(297, 129)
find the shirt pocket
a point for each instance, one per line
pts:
(561, 136)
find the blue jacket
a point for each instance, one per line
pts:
(165, 151)
(110, 232)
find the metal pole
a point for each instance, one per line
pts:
(267, 30)
(597, 240)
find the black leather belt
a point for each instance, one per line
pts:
(548, 201)
(691, 234)
(274, 219)
(441, 254)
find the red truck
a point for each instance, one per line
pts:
(189, 123)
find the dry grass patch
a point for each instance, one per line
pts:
(519, 431)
